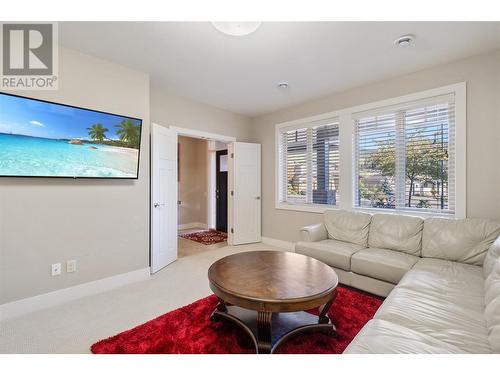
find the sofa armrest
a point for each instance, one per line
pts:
(313, 233)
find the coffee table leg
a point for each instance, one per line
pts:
(221, 306)
(264, 331)
(323, 317)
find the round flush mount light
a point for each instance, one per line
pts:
(237, 28)
(283, 85)
(404, 41)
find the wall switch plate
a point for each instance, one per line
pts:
(56, 269)
(71, 266)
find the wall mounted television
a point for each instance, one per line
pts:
(44, 139)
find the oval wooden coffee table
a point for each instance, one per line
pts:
(266, 293)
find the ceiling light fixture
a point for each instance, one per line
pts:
(283, 85)
(237, 28)
(404, 41)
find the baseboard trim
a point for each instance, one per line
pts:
(290, 246)
(192, 225)
(43, 301)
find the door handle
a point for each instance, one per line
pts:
(258, 198)
(156, 204)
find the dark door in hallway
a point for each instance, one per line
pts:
(221, 190)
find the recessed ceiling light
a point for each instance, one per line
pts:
(237, 28)
(404, 41)
(283, 85)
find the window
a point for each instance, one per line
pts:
(309, 163)
(404, 156)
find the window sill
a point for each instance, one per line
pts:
(417, 213)
(318, 208)
(315, 208)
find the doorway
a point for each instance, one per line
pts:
(242, 213)
(202, 192)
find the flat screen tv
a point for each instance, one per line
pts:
(44, 139)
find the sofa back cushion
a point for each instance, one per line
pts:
(348, 226)
(492, 302)
(396, 232)
(465, 240)
(492, 284)
(491, 257)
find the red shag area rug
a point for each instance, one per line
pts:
(206, 237)
(188, 330)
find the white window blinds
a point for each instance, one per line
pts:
(309, 163)
(404, 156)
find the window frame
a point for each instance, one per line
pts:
(309, 124)
(347, 159)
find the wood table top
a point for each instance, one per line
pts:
(272, 280)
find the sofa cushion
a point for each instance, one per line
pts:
(348, 226)
(455, 283)
(491, 257)
(445, 273)
(382, 337)
(455, 324)
(382, 264)
(396, 232)
(334, 253)
(465, 241)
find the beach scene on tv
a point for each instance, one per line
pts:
(53, 140)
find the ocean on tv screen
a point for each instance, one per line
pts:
(52, 140)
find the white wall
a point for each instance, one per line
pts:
(169, 110)
(482, 74)
(103, 224)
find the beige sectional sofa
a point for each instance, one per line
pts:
(441, 278)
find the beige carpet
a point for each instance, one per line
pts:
(74, 326)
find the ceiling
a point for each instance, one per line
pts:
(240, 74)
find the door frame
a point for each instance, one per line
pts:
(194, 133)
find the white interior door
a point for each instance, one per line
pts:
(244, 193)
(164, 197)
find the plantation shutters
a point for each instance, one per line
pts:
(404, 156)
(309, 163)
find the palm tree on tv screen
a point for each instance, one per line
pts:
(97, 132)
(129, 133)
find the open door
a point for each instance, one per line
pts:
(245, 193)
(163, 197)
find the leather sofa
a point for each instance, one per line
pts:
(441, 278)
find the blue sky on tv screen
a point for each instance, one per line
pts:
(39, 119)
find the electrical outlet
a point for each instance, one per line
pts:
(71, 266)
(56, 269)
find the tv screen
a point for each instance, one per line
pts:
(44, 139)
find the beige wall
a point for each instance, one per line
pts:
(103, 224)
(169, 110)
(193, 181)
(482, 74)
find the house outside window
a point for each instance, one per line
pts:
(309, 163)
